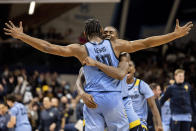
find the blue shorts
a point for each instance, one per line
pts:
(133, 118)
(110, 112)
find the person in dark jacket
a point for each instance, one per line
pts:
(49, 117)
(193, 103)
(180, 102)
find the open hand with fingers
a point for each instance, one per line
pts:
(88, 100)
(183, 30)
(12, 30)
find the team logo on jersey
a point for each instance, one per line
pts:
(186, 87)
(134, 96)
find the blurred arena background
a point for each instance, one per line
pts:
(61, 22)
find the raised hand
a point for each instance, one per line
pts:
(12, 30)
(183, 30)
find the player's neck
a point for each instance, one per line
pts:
(12, 104)
(95, 39)
(130, 80)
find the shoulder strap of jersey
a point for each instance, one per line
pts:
(132, 85)
(137, 83)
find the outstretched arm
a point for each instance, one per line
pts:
(156, 114)
(114, 72)
(127, 46)
(42, 45)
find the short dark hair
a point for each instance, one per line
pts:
(153, 86)
(11, 97)
(92, 28)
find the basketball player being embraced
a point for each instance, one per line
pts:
(105, 90)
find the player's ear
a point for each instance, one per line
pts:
(101, 30)
(85, 34)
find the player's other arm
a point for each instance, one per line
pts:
(79, 82)
(12, 122)
(156, 114)
(42, 45)
(87, 98)
(127, 46)
(114, 72)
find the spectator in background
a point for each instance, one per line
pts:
(39, 93)
(157, 92)
(41, 80)
(4, 118)
(47, 91)
(2, 93)
(156, 88)
(23, 89)
(62, 110)
(33, 112)
(21, 86)
(10, 83)
(55, 105)
(180, 102)
(49, 117)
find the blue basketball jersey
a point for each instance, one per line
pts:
(20, 112)
(96, 80)
(166, 113)
(140, 92)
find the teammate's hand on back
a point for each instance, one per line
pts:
(88, 100)
(12, 30)
(183, 30)
(89, 61)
